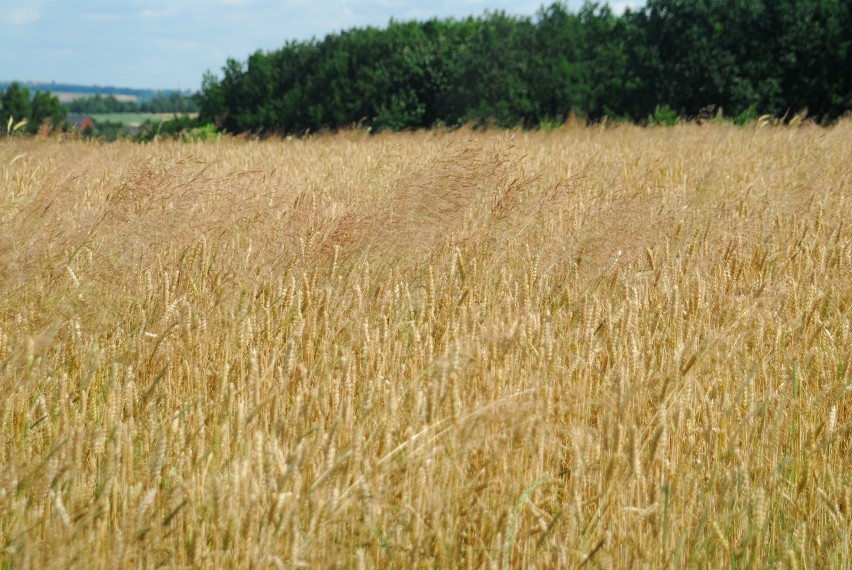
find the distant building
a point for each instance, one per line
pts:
(80, 121)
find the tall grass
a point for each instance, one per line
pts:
(589, 347)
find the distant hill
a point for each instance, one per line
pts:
(68, 92)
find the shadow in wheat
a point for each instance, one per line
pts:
(470, 194)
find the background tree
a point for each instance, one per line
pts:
(556, 63)
(42, 108)
(741, 55)
(15, 104)
(46, 109)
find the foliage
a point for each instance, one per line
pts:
(747, 117)
(185, 128)
(664, 115)
(201, 133)
(173, 102)
(30, 112)
(508, 70)
(108, 131)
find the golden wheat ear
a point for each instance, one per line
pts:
(614, 347)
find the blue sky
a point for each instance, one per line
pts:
(169, 44)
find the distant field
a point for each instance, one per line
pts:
(134, 119)
(66, 97)
(586, 348)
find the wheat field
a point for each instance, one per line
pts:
(593, 347)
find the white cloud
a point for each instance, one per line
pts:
(23, 16)
(618, 8)
(159, 14)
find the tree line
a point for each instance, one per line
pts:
(173, 102)
(21, 111)
(682, 56)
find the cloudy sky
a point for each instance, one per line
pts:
(169, 44)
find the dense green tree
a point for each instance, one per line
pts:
(173, 102)
(491, 73)
(17, 104)
(604, 80)
(741, 55)
(556, 61)
(211, 100)
(102, 104)
(777, 56)
(46, 108)
(696, 52)
(812, 40)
